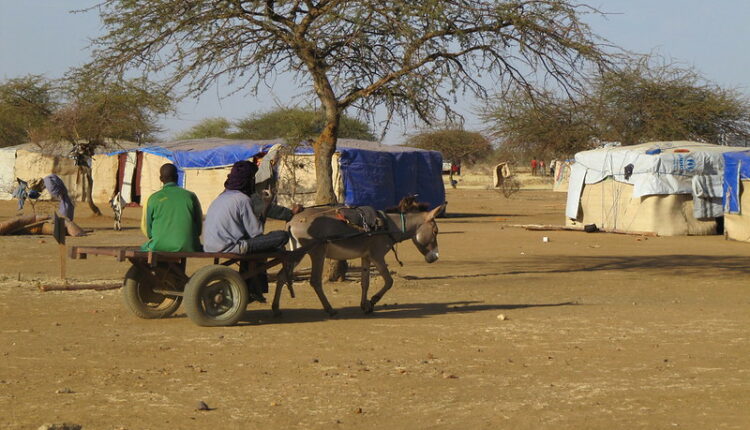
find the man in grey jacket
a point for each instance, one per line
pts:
(232, 224)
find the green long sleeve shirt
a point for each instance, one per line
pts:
(173, 220)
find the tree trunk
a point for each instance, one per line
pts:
(325, 146)
(88, 189)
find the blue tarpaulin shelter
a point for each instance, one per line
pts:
(368, 173)
(736, 169)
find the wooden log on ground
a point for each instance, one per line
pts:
(46, 228)
(546, 227)
(68, 287)
(13, 225)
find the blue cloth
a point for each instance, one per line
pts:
(381, 179)
(220, 156)
(736, 168)
(57, 189)
(230, 224)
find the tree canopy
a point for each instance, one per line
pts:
(638, 103)
(456, 145)
(295, 123)
(209, 127)
(545, 124)
(646, 102)
(412, 58)
(93, 111)
(26, 103)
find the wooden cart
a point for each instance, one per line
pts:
(215, 295)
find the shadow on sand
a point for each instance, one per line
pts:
(708, 265)
(388, 311)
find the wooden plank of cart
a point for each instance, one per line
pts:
(215, 295)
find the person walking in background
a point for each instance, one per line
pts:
(173, 216)
(533, 166)
(542, 168)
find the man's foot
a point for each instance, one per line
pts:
(257, 297)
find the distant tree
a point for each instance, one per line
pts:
(545, 123)
(209, 127)
(298, 123)
(659, 102)
(640, 102)
(93, 112)
(26, 103)
(410, 57)
(456, 145)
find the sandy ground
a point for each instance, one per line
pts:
(600, 331)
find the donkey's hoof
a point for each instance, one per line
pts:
(367, 307)
(332, 312)
(277, 313)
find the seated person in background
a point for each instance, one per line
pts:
(57, 190)
(173, 216)
(231, 224)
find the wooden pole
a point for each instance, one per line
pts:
(63, 263)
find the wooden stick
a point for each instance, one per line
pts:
(67, 287)
(543, 227)
(63, 264)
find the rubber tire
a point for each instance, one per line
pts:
(133, 300)
(196, 288)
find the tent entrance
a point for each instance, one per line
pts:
(129, 167)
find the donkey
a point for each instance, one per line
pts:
(339, 241)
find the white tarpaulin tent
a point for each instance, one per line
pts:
(667, 188)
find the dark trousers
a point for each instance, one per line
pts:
(272, 241)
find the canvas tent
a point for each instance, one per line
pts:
(667, 188)
(736, 187)
(364, 173)
(31, 161)
(203, 165)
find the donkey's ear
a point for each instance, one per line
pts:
(435, 212)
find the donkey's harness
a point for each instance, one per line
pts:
(368, 222)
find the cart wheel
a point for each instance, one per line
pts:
(140, 298)
(215, 296)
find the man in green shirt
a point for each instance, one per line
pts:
(173, 216)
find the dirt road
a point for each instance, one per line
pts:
(599, 331)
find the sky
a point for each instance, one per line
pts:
(44, 37)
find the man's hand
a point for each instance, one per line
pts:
(297, 208)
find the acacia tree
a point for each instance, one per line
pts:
(640, 102)
(456, 145)
(94, 112)
(544, 124)
(209, 127)
(295, 123)
(645, 101)
(26, 103)
(410, 57)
